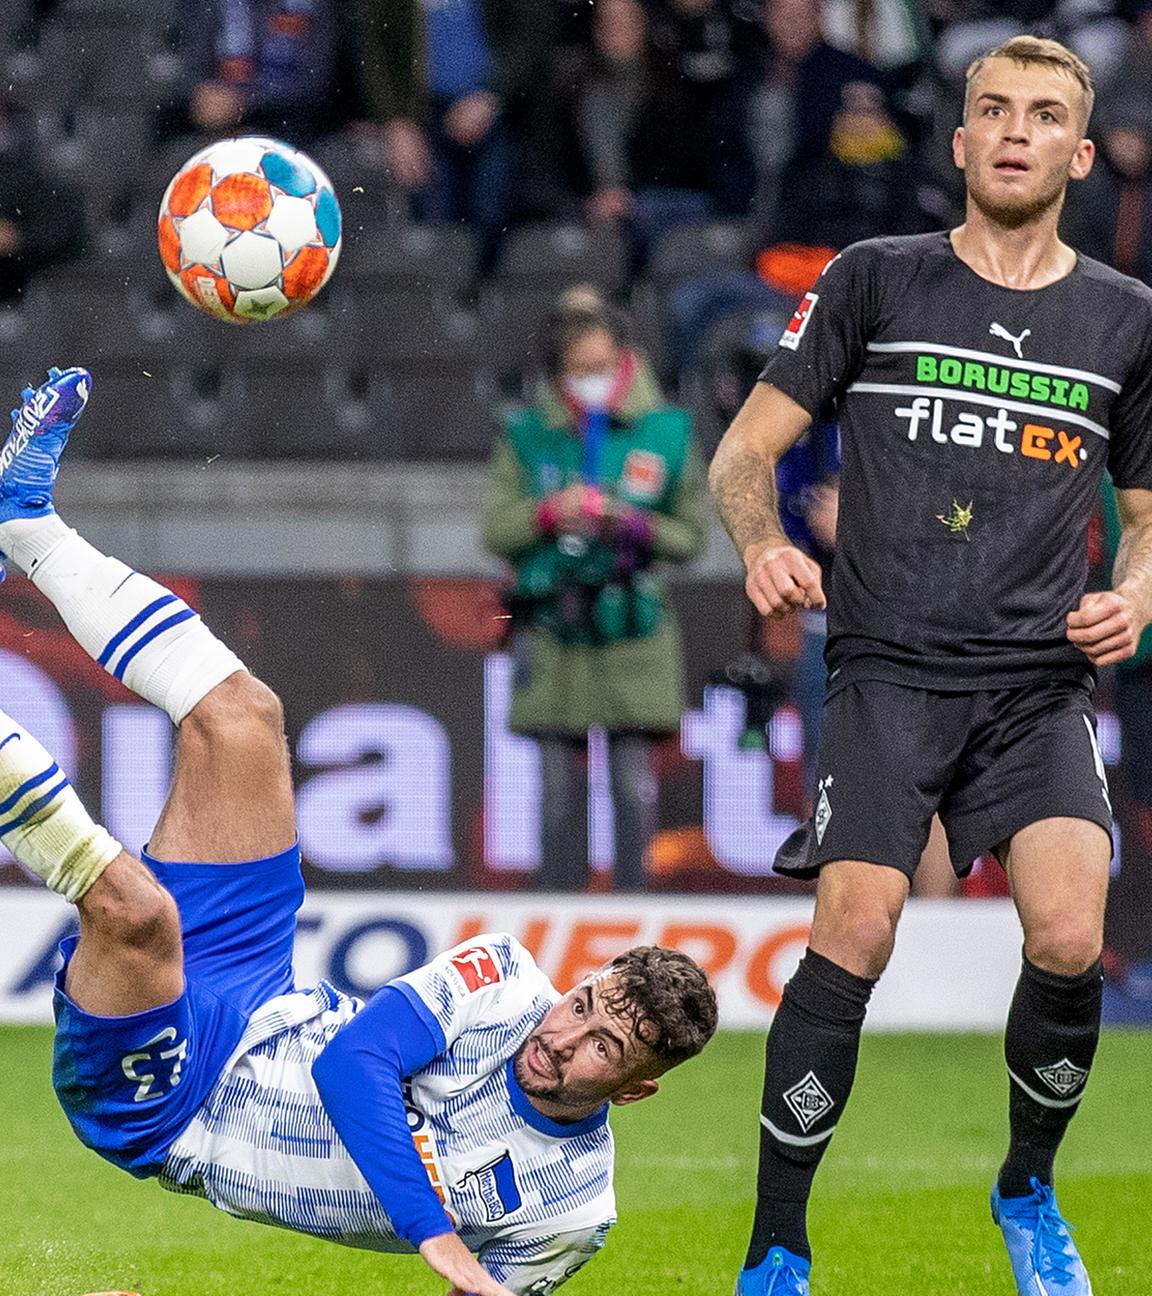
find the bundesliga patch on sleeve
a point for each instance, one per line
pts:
(476, 968)
(791, 336)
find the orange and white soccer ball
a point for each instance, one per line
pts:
(250, 228)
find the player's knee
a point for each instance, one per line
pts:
(1066, 945)
(241, 709)
(860, 941)
(148, 922)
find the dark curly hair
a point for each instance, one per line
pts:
(668, 998)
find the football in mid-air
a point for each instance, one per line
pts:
(249, 229)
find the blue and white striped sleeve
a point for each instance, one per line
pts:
(538, 1266)
(481, 980)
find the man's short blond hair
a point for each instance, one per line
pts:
(1034, 51)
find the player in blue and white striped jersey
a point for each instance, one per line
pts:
(462, 1110)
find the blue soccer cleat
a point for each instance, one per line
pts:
(780, 1273)
(1044, 1258)
(30, 458)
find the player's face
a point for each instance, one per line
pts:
(1021, 140)
(584, 1054)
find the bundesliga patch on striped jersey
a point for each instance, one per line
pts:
(476, 968)
(799, 321)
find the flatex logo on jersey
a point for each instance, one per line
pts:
(1032, 439)
(1011, 405)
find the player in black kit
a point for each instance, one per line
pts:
(983, 379)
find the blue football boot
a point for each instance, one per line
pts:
(1044, 1258)
(780, 1273)
(30, 458)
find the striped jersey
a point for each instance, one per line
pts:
(531, 1197)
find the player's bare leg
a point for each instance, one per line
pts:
(858, 906)
(231, 798)
(1058, 870)
(810, 1062)
(129, 923)
(230, 756)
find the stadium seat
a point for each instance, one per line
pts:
(437, 259)
(282, 411)
(356, 162)
(104, 60)
(134, 416)
(98, 152)
(444, 413)
(389, 328)
(86, 310)
(14, 19)
(688, 250)
(554, 256)
(514, 320)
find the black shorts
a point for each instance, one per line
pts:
(990, 763)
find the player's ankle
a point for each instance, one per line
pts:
(27, 542)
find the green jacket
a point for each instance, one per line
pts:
(1113, 528)
(593, 645)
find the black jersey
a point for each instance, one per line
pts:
(977, 422)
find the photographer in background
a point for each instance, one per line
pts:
(591, 484)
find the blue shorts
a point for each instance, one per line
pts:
(131, 1085)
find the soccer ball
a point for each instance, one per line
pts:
(249, 229)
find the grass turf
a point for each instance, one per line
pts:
(901, 1206)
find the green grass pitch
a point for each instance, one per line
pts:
(901, 1206)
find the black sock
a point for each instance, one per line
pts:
(1053, 1028)
(808, 1073)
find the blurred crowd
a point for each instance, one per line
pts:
(817, 122)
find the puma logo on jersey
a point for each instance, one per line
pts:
(999, 331)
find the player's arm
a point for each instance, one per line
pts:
(781, 577)
(359, 1077)
(538, 1266)
(1107, 625)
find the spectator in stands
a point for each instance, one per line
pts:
(41, 220)
(591, 485)
(860, 184)
(834, 162)
(259, 66)
(968, 28)
(1109, 214)
(609, 106)
(661, 119)
(1132, 83)
(450, 83)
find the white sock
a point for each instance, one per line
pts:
(42, 821)
(136, 629)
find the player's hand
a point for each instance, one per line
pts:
(781, 579)
(1106, 627)
(447, 1255)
